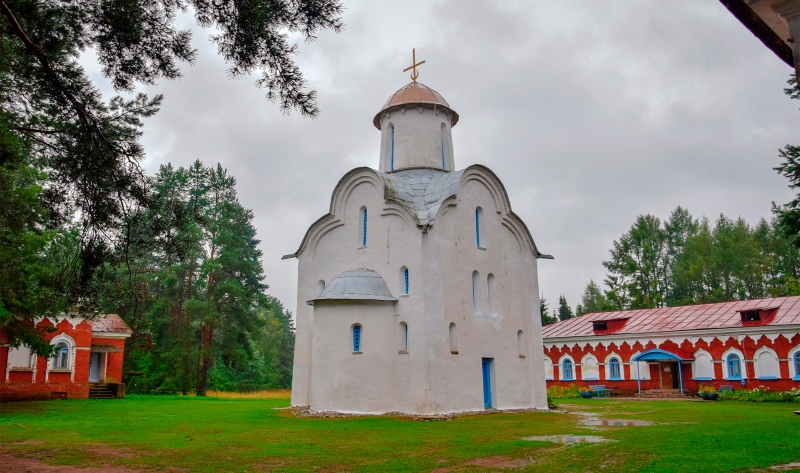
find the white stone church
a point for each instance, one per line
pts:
(418, 291)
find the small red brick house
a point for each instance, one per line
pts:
(741, 344)
(88, 361)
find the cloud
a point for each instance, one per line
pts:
(590, 112)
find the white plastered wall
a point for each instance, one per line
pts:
(429, 378)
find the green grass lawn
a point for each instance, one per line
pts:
(196, 434)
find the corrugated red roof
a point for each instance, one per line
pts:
(669, 319)
(110, 323)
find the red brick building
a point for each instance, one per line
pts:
(88, 359)
(743, 344)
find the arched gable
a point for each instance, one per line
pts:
(502, 205)
(336, 212)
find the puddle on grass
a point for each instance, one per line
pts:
(786, 467)
(592, 422)
(568, 439)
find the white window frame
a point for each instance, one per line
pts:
(31, 364)
(757, 364)
(694, 366)
(62, 337)
(551, 375)
(792, 367)
(743, 366)
(561, 368)
(584, 361)
(608, 367)
(643, 371)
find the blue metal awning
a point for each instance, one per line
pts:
(657, 354)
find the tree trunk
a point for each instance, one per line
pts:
(207, 362)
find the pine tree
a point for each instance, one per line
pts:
(564, 311)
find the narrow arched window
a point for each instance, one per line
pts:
(453, 339)
(357, 338)
(479, 236)
(61, 356)
(734, 366)
(797, 364)
(392, 165)
(478, 217)
(566, 369)
(520, 344)
(491, 292)
(476, 292)
(614, 369)
(362, 227)
(320, 286)
(404, 280)
(443, 141)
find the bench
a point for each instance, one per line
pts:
(725, 387)
(601, 390)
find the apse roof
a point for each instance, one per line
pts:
(421, 190)
(680, 318)
(357, 284)
(415, 93)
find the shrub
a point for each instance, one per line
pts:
(761, 394)
(562, 392)
(708, 389)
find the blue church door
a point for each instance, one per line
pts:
(486, 365)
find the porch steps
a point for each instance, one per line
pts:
(662, 393)
(100, 391)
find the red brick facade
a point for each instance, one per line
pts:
(707, 338)
(27, 377)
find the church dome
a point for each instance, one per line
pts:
(357, 284)
(415, 93)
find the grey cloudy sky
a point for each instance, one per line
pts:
(591, 112)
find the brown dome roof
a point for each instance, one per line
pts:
(415, 93)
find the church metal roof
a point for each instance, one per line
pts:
(779, 311)
(421, 190)
(415, 93)
(357, 284)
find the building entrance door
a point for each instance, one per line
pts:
(669, 375)
(94, 367)
(486, 366)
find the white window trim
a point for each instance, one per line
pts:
(757, 367)
(643, 368)
(31, 365)
(561, 368)
(694, 367)
(597, 367)
(62, 337)
(725, 374)
(552, 369)
(792, 368)
(608, 367)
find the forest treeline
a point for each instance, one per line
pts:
(83, 228)
(191, 288)
(682, 260)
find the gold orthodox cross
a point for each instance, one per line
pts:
(414, 74)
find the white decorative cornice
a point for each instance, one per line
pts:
(677, 337)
